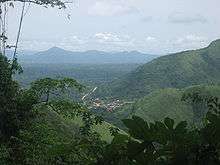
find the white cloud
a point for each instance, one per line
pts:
(194, 38)
(107, 37)
(69, 42)
(35, 45)
(106, 41)
(151, 39)
(191, 39)
(185, 18)
(112, 39)
(73, 40)
(109, 41)
(111, 8)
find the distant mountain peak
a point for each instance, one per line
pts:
(59, 55)
(55, 48)
(58, 49)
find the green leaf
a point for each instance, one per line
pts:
(138, 128)
(212, 117)
(120, 138)
(169, 123)
(181, 127)
(159, 126)
(135, 148)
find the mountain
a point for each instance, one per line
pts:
(57, 55)
(177, 70)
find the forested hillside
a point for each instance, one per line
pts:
(90, 74)
(37, 128)
(168, 103)
(178, 70)
(96, 99)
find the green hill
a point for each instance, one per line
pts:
(177, 70)
(167, 103)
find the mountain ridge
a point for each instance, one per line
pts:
(178, 70)
(59, 55)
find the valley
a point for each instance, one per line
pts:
(96, 110)
(109, 82)
(120, 90)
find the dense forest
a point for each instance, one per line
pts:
(42, 124)
(146, 110)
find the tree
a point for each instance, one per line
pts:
(166, 142)
(53, 3)
(8, 90)
(48, 86)
(15, 104)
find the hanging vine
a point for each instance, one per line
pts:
(19, 32)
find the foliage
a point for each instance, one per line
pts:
(33, 132)
(15, 112)
(46, 3)
(47, 86)
(4, 154)
(71, 110)
(53, 138)
(27, 137)
(15, 104)
(168, 102)
(168, 143)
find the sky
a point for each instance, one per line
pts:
(149, 26)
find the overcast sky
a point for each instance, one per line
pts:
(150, 26)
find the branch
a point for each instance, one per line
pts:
(52, 3)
